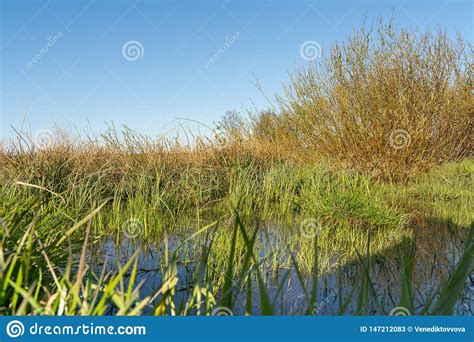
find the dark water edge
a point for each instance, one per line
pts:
(437, 246)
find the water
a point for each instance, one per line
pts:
(438, 246)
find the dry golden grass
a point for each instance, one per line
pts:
(388, 103)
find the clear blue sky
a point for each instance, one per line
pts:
(83, 76)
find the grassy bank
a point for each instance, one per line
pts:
(278, 216)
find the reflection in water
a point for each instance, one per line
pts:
(436, 247)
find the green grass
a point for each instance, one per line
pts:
(238, 234)
(445, 193)
(80, 291)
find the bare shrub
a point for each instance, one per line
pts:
(392, 103)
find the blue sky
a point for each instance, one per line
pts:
(83, 76)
